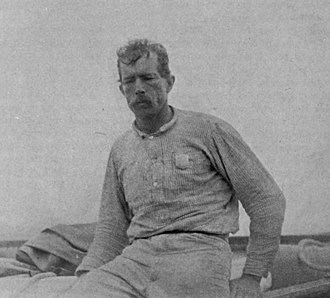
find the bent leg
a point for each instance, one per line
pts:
(101, 284)
(168, 266)
(198, 270)
(121, 278)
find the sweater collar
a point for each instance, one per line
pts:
(167, 126)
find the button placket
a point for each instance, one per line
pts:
(155, 172)
(154, 154)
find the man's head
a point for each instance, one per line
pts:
(145, 78)
(138, 48)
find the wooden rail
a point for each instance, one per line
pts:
(239, 243)
(312, 289)
(236, 242)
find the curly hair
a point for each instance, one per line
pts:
(137, 48)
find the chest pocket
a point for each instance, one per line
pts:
(186, 170)
(191, 162)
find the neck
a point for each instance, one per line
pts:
(153, 123)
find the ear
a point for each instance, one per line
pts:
(170, 82)
(121, 89)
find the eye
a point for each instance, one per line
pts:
(128, 81)
(148, 77)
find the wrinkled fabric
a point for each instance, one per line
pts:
(187, 177)
(43, 285)
(58, 249)
(170, 265)
(315, 254)
(10, 267)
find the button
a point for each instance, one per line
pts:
(151, 137)
(155, 184)
(153, 277)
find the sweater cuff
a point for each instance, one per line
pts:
(87, 265)
(255, 268)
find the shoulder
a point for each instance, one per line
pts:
(123, 143)
(202, 122)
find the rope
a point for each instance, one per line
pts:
(309, 248)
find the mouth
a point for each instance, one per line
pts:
(142, 102)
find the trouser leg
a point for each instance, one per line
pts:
(124, 277)
(191, 275)
(100, 284)
(192, 266)
(166, 266)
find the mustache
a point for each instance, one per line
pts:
(142, 99)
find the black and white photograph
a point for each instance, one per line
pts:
(164, 148)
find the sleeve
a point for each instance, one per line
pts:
(259, 194)
(110, 233)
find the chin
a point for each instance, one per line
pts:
(143, 112)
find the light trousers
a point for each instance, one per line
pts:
(169, 265)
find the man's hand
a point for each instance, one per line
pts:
(247, 286)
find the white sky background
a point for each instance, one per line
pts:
(264, 66)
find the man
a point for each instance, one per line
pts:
(170, 198)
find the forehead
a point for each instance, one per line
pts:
(143, 65)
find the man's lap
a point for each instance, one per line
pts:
(169, 265)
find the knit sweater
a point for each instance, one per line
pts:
(186, 177)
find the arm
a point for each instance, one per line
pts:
(110, 234)
(259, 194)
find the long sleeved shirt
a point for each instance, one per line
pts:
(186, 177)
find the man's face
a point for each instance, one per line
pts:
(144, 88)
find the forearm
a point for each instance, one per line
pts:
(265, 233)
(108, 243)
(110, 234)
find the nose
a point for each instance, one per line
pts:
(139, 87)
